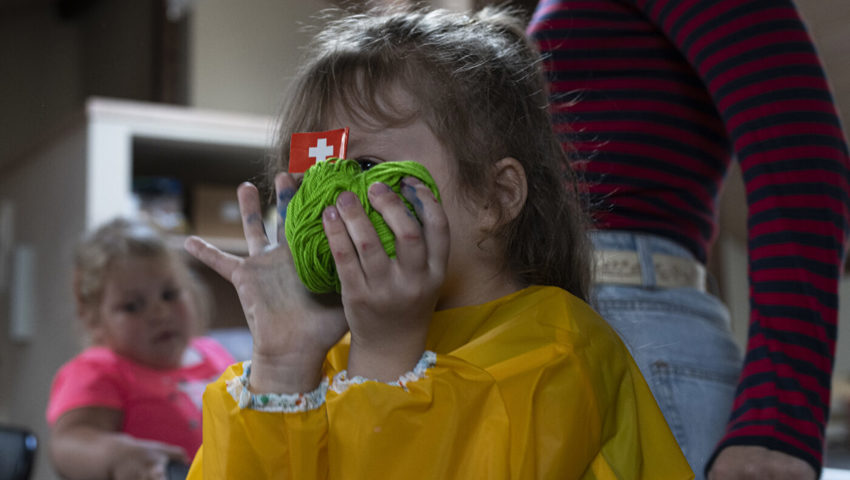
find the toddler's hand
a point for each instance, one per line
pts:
(137, 459)
(292, 328)
(388, 302)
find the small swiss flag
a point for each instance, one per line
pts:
(306, 149)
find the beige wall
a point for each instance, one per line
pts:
(242, 54)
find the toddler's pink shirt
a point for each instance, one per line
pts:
(162, 405)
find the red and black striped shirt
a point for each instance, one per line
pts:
(655, 97)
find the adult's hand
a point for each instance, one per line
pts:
(758, 463)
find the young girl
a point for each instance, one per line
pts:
(130, 403)
(472, 353)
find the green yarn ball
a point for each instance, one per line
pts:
(322, 184)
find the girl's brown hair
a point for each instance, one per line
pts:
(477, 83)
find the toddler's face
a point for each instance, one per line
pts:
(370, 144)
(145, 313)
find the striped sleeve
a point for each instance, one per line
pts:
(756, 63)
(762, 71)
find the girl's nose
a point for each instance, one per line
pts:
(160, 310)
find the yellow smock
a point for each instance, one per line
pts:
(532, 385)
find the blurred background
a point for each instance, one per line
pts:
(111, 106)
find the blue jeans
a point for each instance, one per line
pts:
(681, 341)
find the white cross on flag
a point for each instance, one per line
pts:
(306, 149)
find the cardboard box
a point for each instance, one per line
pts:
(215, 211)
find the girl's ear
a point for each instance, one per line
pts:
(510, 191)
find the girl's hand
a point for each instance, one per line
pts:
(388, 302)
(86, 442)
(292, 328)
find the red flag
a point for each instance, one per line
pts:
(305, 149)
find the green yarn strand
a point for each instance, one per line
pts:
(322, 184)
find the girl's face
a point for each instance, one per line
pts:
(371, 144)
(144, 313)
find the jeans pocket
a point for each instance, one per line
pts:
(696, 403)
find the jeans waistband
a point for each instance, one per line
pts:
(640, 259)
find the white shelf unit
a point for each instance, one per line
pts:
(127, 138)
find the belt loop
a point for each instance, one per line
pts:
(647, 268)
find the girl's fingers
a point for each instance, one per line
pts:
(252, 218)
(345, 256)
(285, 186)
(223, 263)
(409, 243)
(435, 225)
(361, 231)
